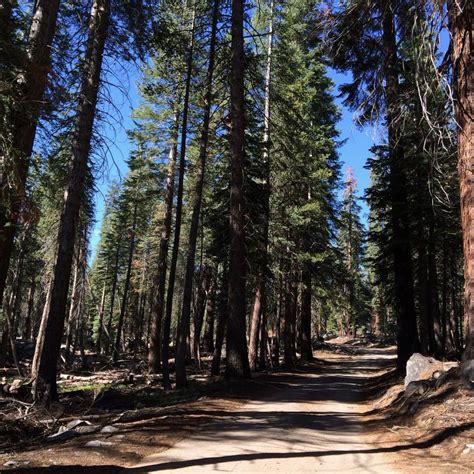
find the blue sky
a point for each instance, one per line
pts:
(353, 153)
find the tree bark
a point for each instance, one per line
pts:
(237, 359)
(112, 296)
(44, 367)
(436, 341)
(184, 321)
(461, 19)
(159, 284)
(205, 282)
(306, 342)
(100, 329)
(255, 321)
(28, 327)
(29, 100)
(123, 306)
(289, 328)
(258, 321)
(73, 313)
(277, 333)
(178, 217)
(407, 335)
(221, 322)
(208, 339)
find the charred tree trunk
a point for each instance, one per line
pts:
(184, 321)
(237, 358)
(44, 367)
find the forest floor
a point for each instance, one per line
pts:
(344, 412)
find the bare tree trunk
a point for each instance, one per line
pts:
(277, 333)
(44, 368)
(208, 339)
(123, 306)
(255, 329)
(29, 103)
(10, 312)
(159, 283)
(290, 319)
(177, 224)
(407, 337)
(112, 297)
(221, 321)
(27, 330)
(73, 313)
(100, 329)
(264, 348)
(461, 28)
(184, 321)
(306, 342)
(205, 282)
(436, 342)
(237, 358)
(423, 299)
(258, 320)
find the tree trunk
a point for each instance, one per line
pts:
(461, 28)
(205, 282)
(177, 224)
(159, 283)
(289, 330)
(28, 328)
(237, 359)
(123, 306)
(306, 342)
(258, 321)
(184, 321)
(208, 339)
(404, 305)
(44, 368)
(255, 329)
(98, 344)
(436, 342)
(264, 349)
(32, 85)
(112, 296)
(73, 313)
(221, 321)
(10, 310)
(277, 333)
(423, 295)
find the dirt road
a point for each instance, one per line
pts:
(312, 421)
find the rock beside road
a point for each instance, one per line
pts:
(420, 367)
